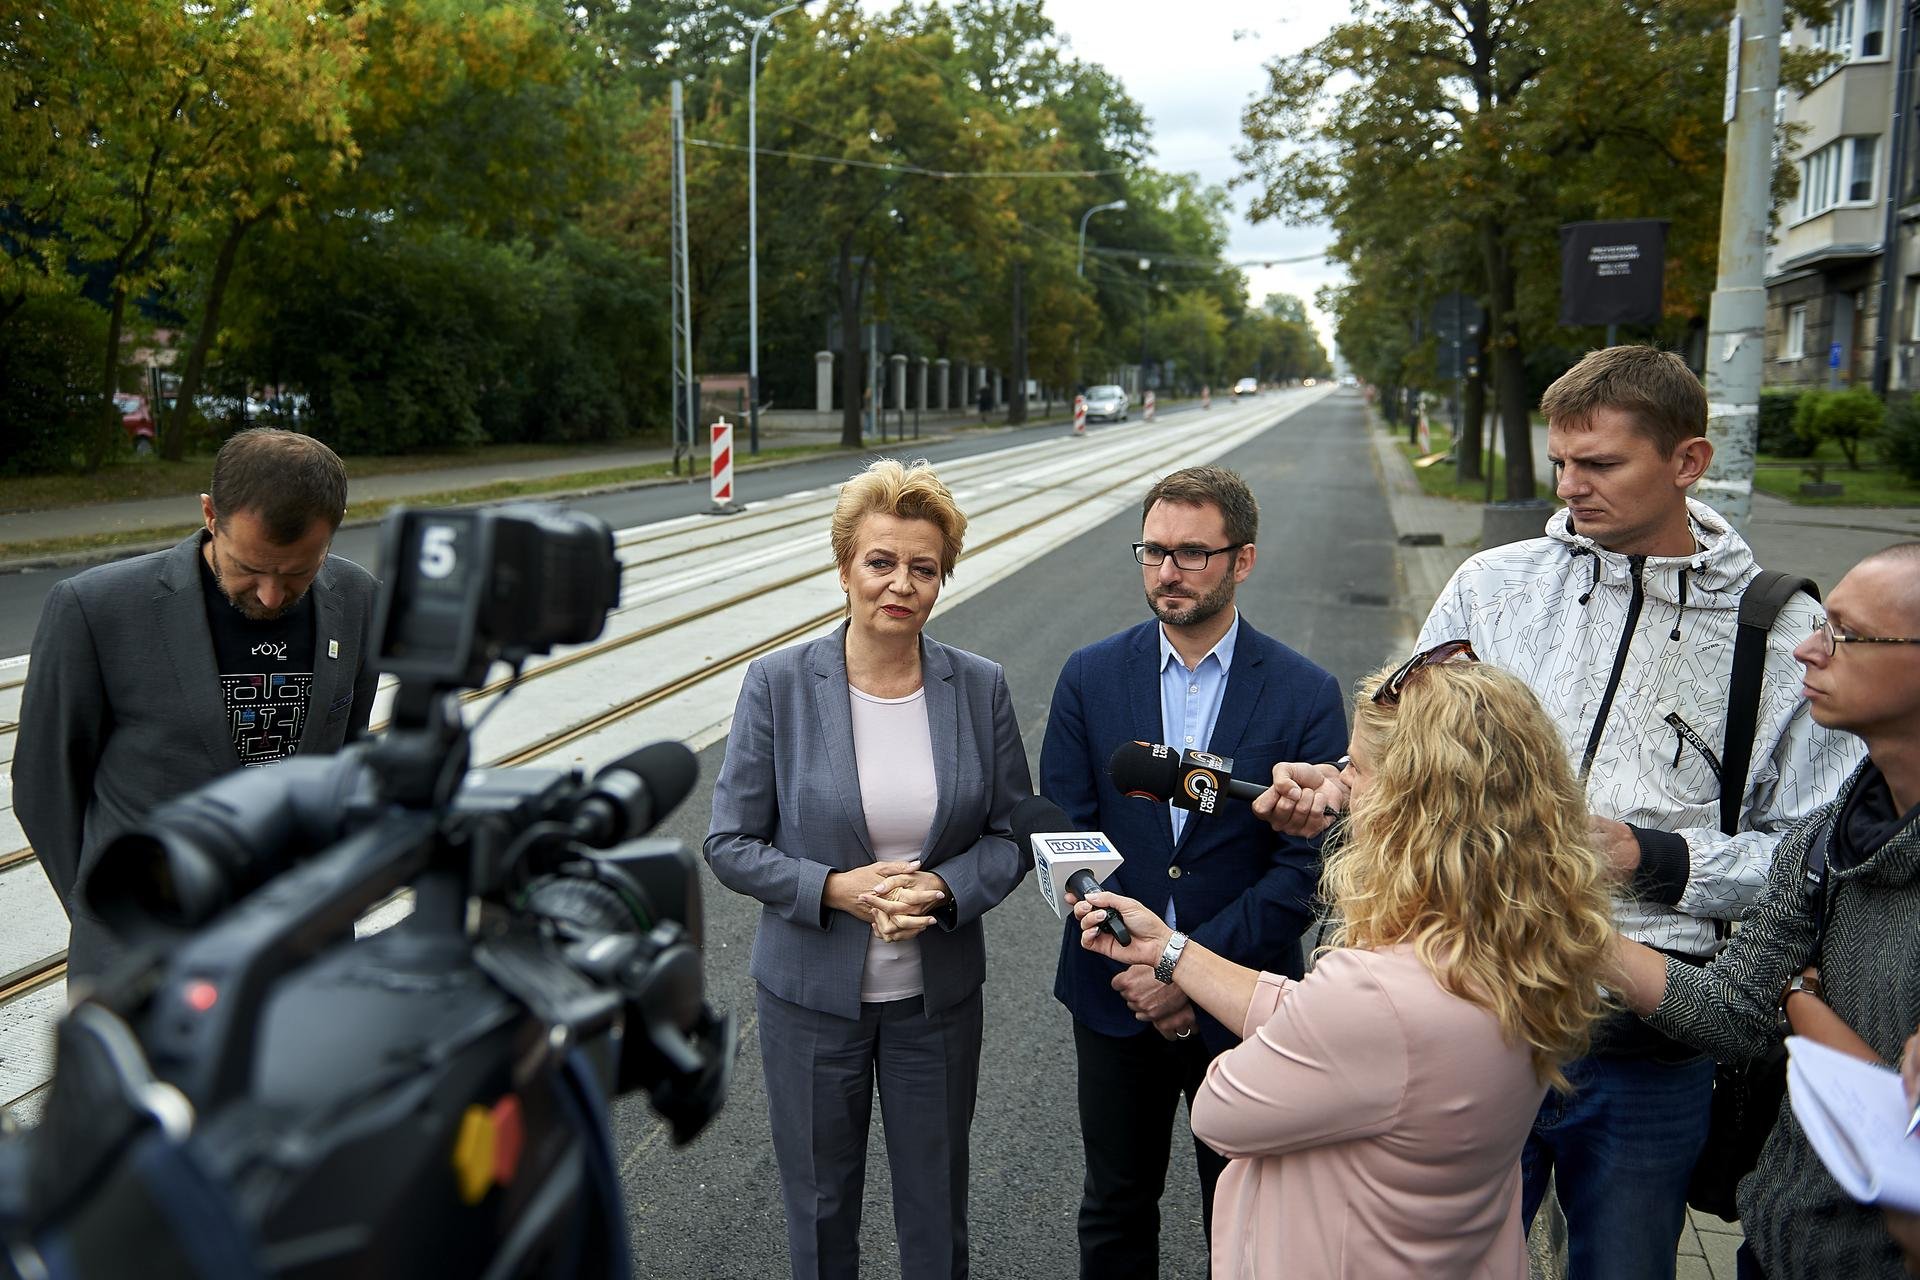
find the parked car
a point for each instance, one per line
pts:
(1246, 387)
(1107, 403)
(137, 418)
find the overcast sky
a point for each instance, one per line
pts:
(1193, 68)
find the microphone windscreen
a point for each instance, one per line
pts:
(668, 768)
(1034, 815)
(1137, 769)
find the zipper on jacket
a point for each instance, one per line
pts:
(1636, 564)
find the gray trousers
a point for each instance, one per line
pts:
(821, 1073)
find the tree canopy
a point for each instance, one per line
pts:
(416, 223)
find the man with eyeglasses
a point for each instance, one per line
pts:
(1622, 619)
(1833, 945)
(1195, 676)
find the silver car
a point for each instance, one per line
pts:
(1108, 404)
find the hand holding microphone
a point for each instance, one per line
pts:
(1303, 799)
(1145, 933)
(1065, 861)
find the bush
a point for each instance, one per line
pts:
(1777, 436)
(1900, 438)
(1844, 417)
(50, 385)
(443, 341)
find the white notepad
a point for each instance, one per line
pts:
(1855, 1115)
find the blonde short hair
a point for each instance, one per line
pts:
(1471, 844)
(911, 492)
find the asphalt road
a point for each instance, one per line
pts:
(1327, 584)
(21, 594)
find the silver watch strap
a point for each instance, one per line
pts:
(1176, 943)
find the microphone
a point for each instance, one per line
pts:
(1192, 780)
(634, 794)
(1066, 861)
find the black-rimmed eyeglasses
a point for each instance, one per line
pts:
(1388, 694)
(1834, 639)
(1187, 559)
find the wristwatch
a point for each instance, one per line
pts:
(1176, 943)
(1807, 982)
(1801, 981)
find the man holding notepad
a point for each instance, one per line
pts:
(1834, 943)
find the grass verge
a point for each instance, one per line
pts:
(1442, 479)
(1865, 488)
(498, 491)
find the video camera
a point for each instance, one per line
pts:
(253, 1091)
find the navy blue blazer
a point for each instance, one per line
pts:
(1238, 887)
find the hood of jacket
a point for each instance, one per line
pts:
(1711, 578)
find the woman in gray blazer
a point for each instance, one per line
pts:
(865, 800)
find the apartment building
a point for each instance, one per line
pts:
(1825, 264)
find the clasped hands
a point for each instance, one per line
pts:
(895, 898)
(1163, 1004)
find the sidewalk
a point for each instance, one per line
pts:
(1820, 542)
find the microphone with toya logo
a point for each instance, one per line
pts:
(1066, 861)
(1192, 780)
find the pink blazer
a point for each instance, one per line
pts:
(1374, 1123)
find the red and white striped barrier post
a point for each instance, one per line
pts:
(720, 458)
(1079, 415)
(1146, 407)
(1206, 397)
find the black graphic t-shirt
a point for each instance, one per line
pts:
(266, 673)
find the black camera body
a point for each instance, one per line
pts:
(253, 1091)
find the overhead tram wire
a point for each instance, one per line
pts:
(892, 166)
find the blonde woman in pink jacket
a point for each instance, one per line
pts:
(1375, 1110)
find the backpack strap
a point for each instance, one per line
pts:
(1760, 605)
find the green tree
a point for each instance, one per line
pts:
(1451, 138)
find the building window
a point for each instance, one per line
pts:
(1835, 35)
(1860, 185)
(1912, 302)
(1842, 172)
(1856, 29)
(1796, 333)
(1873, 28)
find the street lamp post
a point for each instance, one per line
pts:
(1080, 269)
(1080, 266)
(753, 229)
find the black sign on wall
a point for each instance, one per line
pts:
(1612, 272)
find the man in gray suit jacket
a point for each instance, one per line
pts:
(246, 643)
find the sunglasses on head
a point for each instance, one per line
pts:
(1388, 694)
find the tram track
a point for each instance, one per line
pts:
(54, 968)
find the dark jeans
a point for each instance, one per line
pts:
(1129, 1087)
(1621, 1147)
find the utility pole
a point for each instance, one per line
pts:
(1894, 196)
(1017, 402)
(682, 305)
(1736, 327)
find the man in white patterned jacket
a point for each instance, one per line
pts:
(1622, 620)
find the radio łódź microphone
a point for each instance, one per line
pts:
(1192, 780)
(1066, 861)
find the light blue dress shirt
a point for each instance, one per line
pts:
(1190, 705)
